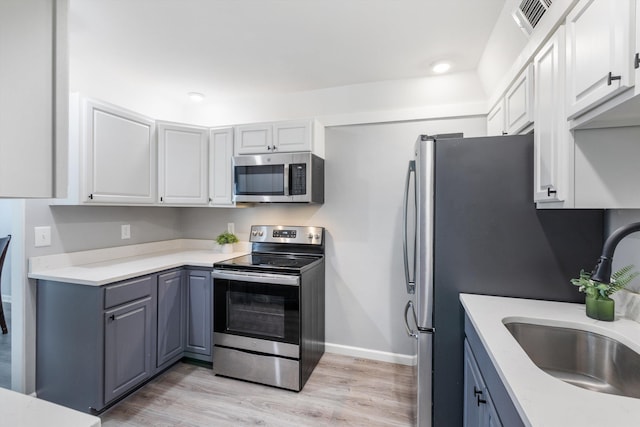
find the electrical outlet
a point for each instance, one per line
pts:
(42, 236)
(231, 227)
(125, 231)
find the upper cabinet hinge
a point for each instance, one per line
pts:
(636, 61)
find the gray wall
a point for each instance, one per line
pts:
(79, 228)
(365, 172)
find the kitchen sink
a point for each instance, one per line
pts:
(581, 358)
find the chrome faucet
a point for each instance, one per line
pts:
(602, 271)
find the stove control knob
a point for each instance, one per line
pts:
(261, 233)
(310, 236)
(317, 236)
(254, 233)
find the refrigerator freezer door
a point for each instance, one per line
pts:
(424, 376)
(424, 166)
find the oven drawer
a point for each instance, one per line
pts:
(269, 370)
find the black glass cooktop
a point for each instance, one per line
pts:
(262, 261)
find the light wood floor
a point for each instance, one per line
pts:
(342, 391)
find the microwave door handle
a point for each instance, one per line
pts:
(405, 211)
(287, 177)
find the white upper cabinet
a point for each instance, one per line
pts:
(119, 155)
(221, 167)
(182, 164)
(518, 103)
(253, 139)
(280, 137)
(551, 129)
(33, 98)
(496, 120)
(513, 113)
(293, 136)
(599, 52)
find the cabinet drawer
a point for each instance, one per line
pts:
(131, 290)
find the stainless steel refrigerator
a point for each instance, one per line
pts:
(471, 227)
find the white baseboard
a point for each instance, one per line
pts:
(365, 353)
(6, 299)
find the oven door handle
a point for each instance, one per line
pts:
(267, 278)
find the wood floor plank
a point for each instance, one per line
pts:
(342, 390)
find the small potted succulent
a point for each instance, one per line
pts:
(226, 241)
(599, 304)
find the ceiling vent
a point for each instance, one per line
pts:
(529, 12)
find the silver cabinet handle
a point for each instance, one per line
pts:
(410, 331)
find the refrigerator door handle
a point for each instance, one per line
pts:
(411, 284)
(410, 331)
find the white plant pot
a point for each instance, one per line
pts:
(228, 248)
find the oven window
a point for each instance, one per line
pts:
(257, 310)
(256, 313)
(260, 180)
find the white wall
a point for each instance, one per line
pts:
(365, 172)
(503, 47)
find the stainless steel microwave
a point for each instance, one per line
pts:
(278, 178)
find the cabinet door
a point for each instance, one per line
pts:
(182, 164)
(171, 310)
(519, 103)
(254, 139)
(33, 98)
(293, 136)
(551, 132)
(199, 312)
(473, 388)
(495, 120)
(599, 52)
(479, 410)
(127, 347)
(221, 166)
(120, 161)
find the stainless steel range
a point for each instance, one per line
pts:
(269, 308)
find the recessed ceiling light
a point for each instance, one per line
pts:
(196, 96)
(441, 67)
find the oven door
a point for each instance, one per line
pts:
(257, 311)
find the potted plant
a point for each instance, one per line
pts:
(226, 241)
(599, 304)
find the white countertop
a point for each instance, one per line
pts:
(542, 400)
(103, 266)
(25, 411)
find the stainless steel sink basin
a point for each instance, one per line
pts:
(581, 358)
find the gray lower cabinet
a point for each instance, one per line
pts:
(127, 347)
(199, 319)
(478, 406)
(171, 318)
(486, 400)
(94, 343)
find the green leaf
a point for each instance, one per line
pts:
(619, 280)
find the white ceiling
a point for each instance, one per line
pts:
(231, 48)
